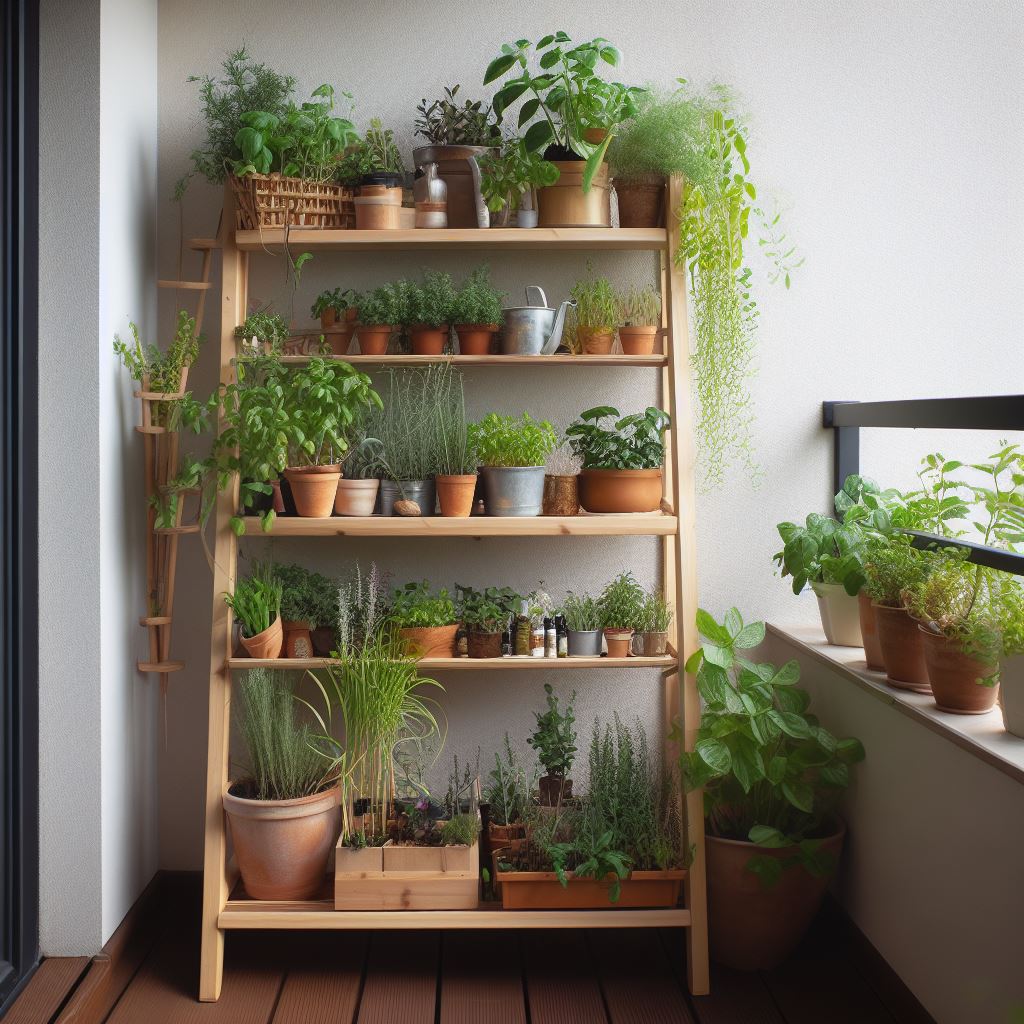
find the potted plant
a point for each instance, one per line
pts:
(509, 182)
(485, 614)
(362, 466)
(583, 621)
(309, 604)
(334, 305)
(652, 630)
(456, 466)
(597, 315)
(554, 739)
(284, 819)
(508, 794)
(429, 313)
(1008, 604)
(621, 462)
(639, 321)
(580, 113)
(256, 604)
(381, 312)
(621, 607)
(263, 332)
(426, 621)
(363, 611)
(512, 453)
(476, 313)
(772, 779)
(374, 163)
(561, 482)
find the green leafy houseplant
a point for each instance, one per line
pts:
(487, 610)
(582, 612)
(477, 301)
(376, 153)
(386, 306)
(264, 329)
(635, 441)
(307, 596)
(508, 441)
(338, 300)
(431, 302)
(771, 774)
(511, 173)
(621, 604)
(554, 737)
(256, 600)
(445, 122)
(416, 606)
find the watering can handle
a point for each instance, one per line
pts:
(535, 292)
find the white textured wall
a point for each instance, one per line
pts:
(885, 127)
(98, 736)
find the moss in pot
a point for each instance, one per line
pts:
(554, 739)
(772, 778)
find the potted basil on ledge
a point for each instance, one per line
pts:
(772, 780)
(622, 462)
(512, 453)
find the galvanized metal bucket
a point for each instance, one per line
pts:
(534, 329)
(585, 643)
(513, 490)
(420, 491)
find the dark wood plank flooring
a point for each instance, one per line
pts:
(489, 977)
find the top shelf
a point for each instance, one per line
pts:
(554, 239)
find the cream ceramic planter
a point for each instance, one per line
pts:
(1011, 693)
(840, 615)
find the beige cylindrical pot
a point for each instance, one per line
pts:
(840, 615)
(1011, 693)
(356, 497)
(282, 846)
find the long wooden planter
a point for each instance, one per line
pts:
(541, 890)
(394, 877)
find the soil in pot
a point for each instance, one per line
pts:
(298, 641)
(373, 341)
(455, 494)
(561, 496)
(554, 789)
(954, 674)
(314, 489)
(428, 341)
(621, 490)
(619, 642)
(282, 846)
(483, 645)
(267, 644)
(637, 341)
(356, 497)
(902, 649)
(752, 927)
(640, 201)
(869, 633)
(430, 641)
(595, 341)
(475, 339)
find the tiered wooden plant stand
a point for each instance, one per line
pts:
(225, 905)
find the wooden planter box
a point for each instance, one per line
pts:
(393, 877)
(541, 890)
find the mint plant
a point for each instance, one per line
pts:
(507, 441)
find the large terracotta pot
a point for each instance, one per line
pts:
(751, 927)
(430, 641)
(428, 341)
(282, 846)
(638, 341)
(902, 650)
(268, 643)
(640, 201)
(455, 494)
(356, 497)
(475, 339)
(869, 633)
(314, 489)
(373, 339)
(840, 615)
(566, 205)
(620, 490)
(596, 341)
(1011, 693)
(954, 674)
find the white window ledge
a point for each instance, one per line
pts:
(980, 735)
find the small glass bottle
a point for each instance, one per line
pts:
(537, 639)
(506, 642)
(561, 636)
(550, 639)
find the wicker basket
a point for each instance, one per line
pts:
(272, 201)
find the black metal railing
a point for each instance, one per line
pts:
(995, 412)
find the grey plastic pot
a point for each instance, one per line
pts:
(585, 643)
(513, 490)
(420, 491)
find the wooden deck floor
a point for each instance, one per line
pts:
(515, 977)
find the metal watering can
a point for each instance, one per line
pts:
(534, 329)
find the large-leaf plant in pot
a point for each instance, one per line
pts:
(622, 462)
(772, 779)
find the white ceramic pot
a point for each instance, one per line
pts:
(840, 615)
(1011, 693)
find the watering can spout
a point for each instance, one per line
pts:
(555, 338)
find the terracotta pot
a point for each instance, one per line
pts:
(455, 493)
(565, 204)
(314, 489)
(373, 339)
(298, 641)
(356, 497)
(282, 846)
(640, 201)
(430, 641)
(483, 645)
(869, 633)
(621, 490)
(277, 500)
(595, 341)
(561, 496)
(840, 615)
(504, 834)
(553, 789)
(428, 341)
(650, 645)
(1011, 693)
(372, 215)
(267, 644)
(340, 340)
(475, 339)
(902, 650)
(638, 341)
(619, 642)
(542, 890)
(752, 927)
(329, 317)
(954, 674)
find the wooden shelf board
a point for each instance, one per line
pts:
(608, 362)
(471, 664)
(640, 524)
(554, 239)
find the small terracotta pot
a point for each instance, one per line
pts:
(373, 339)
(552, 787)
(638, 341)
(869, 633)
(267, 644)
(282, 846)
(752, 927)
(595, 341)
(483, 645)
(954, 676)
(475, 339)
(561, 496)
(276, 498)
(298, 641)
(356, 497)
(902, 649)
(428, 341)
(640, 202)
(619, 642)
(455, 493)
(314, 489)
(329, 317)
(620, 490)
(341, 340)
(430, 641)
